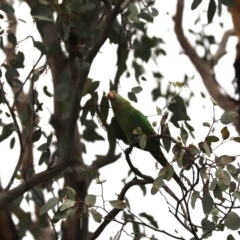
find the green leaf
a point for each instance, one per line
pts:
(211, 10)
(212, 138)
(217, 192)
(70, 193)
(213, 184)
(223, 176)
(195, 4)
(132, 97)
(133, 9)
(194, 198)
(11, 38)
(37, 195)
(236, 139)
(154, 12)
(6, 132)
(166, 141)
(219, 7)
(230, 237)
(36, 135)
(136, 90)
(143, 141)
(90, 200)
(232, 186)
(207, 226)
(12, 76)
(7, 8)
(232, 221)
(225, 159)
(18, 60)
(62, 214)
(12, 143)
(67, 107)
(150, 218)
(178, 109)
(203, 172)
(93, 87)
(138, 69)
(207, 149)
(222, 186)
(88, 6)
(207, 204)
(194, 150)
(90, 86)
(66, 76)
(183, 135)
(2, 94)
(231, 169)
(178, 153)
(46, 145)
(61, 91)
(104, 109)
(45, 156)
(237, 195)
(190, 129)
(215, 219)
(214, 211)
(206, 124)
(77, 63)
(225, 133)
(118, 204)
(144, 189)
(96, 215)
(50, 204)
(63, 144)
(67, 204)
(157, 184)
(90, 134)
(40, 46)
(228, 117)
(47, 93)
(167, 172)
(145, 16)
(85, 67)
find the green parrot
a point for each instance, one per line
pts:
(126, 119)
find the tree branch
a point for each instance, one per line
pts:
(221, 51)
(114, 212)
(202, 67)
(10, 195)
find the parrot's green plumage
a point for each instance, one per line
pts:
(126, 119)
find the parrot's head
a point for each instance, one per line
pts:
(116, 99)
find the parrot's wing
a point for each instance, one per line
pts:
(142, 122)
(118, 132)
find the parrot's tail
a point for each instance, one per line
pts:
(164, 162)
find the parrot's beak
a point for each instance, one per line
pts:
(111, 95)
